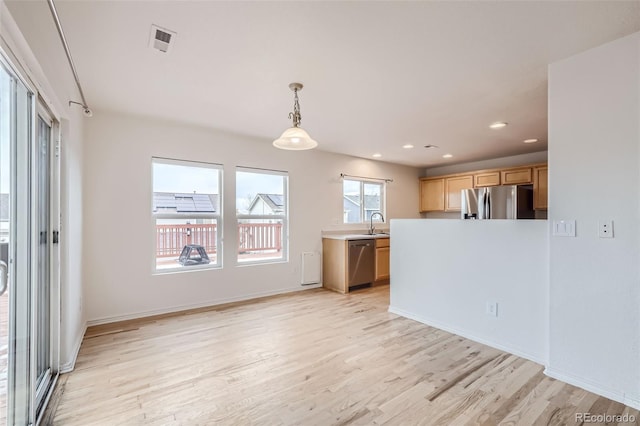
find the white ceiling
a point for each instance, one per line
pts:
(377, 75)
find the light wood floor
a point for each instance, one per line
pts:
(309, 358)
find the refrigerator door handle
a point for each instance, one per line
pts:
(487, 207)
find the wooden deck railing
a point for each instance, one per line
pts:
(252, 238)
(257, 237)
(170, 239)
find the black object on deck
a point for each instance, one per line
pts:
(193, 254)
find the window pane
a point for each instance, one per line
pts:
(372, 200)
(352, 208)
(361, 199)
(186, 242)
(260, 239)
(185, 178)
(187, 210)
(260, 193)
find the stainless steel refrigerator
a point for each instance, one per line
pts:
(498, 202)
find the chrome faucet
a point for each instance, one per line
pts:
(372, 229)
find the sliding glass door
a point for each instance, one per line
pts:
(43, 266)
(28, 251)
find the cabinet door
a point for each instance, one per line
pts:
(382, 263)
(516, 176)
(432, 195)
(540, 188)
(486, 179)
(453, 186)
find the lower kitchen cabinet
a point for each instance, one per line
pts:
(334, 265)
(382, 259)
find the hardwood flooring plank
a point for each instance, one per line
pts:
(309, 358)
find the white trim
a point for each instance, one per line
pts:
(211, 303)
(260, 171)
(466, 335)
(68, 366)
(594, 387)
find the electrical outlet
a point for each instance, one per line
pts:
(605, 228)
(492, 309)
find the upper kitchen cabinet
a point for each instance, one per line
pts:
(453, 186)
(481, 180)
(519, 176)
(431, 195)
(540, 188)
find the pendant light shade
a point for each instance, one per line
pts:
(295, 138)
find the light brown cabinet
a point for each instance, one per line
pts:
(481, 180)
(517, 176)
(442, 193)
(540, 188)
(431, 195)
(382, 259)
(453, 186)
(334, 265)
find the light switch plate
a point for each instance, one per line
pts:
(564, 228)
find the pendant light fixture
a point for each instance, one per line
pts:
(295, 138)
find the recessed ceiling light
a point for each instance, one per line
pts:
(530, 140)
(498, 125)
(447, 156)
(407, 146)
(377, 155)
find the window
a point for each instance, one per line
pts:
(262, 211)
(187, 209)
(360, 199)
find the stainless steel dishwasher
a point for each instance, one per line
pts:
(361, 262)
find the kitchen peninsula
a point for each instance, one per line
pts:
(486, 280)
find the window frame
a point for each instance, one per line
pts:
(218, 217)
(284, 217)
(383, 199)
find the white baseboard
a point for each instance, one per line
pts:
(68, 366)
(172, 309)
(466, 334)
(597, 388)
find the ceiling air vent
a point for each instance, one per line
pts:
(161, 39)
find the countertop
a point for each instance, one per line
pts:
(356, 236)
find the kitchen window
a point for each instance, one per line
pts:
(262, 211)
(362, 198)
(187, 213)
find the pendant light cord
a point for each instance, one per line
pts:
(297, 118)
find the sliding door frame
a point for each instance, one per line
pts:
(21, 383)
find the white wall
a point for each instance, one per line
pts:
(119, 229)
(594, 174)
(38, 53)
(443, 272)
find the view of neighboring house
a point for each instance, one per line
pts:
(267, 204)
(351, 207)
